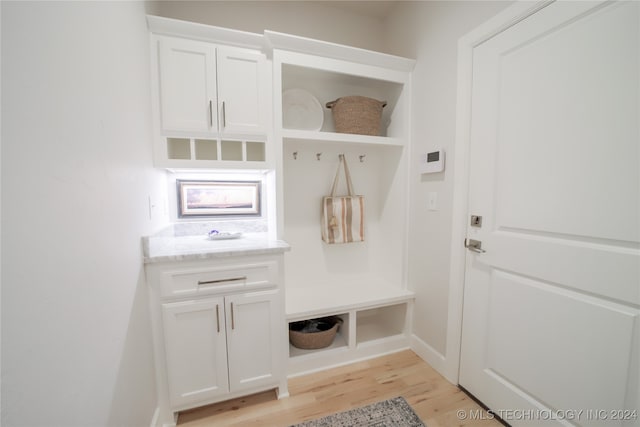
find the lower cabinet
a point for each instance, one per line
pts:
(218, 327)
(196, 349)
(220, 345)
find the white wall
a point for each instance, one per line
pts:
(429, 31)
(315, 19)
(76, 174)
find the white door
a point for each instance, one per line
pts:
(242, 91)
(252, 338)
(194, 334)
(550, 319)
(187, 85)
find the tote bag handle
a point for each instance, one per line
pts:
(342, 165)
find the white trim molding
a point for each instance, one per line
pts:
(288, 42)
(203, 32)
(428, 354)
(466, 44)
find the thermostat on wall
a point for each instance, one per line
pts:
(432, 162)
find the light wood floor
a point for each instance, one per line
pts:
(433, 398)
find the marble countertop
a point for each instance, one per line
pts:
(163, 248)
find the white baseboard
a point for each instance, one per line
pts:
(337, 364)
(156, 422)
(156, 415)
(430, 355)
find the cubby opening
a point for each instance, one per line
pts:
(231, 150)
(215, 150)
(382, 322)
(341, 340)
(255, 151)
(206, 149)
(179, 148)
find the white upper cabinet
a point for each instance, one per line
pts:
(242, 91)
(210, 89)
(187, 71)
(211, 96)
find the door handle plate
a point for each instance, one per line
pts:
(474, 246)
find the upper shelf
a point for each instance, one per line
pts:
(334, 137)
(327, 84)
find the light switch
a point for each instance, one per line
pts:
(152, 207)
(432, 200)
(157, 207)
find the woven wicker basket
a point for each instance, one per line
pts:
(313, 340)
(357, 114)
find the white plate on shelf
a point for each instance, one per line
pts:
(224, 236)
(301, 110)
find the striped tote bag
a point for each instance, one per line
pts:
(342, 216)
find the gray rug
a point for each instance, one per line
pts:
(394, 412)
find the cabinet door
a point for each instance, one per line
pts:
(195, 343)
(242, 91)
(253, 338)
(187, 85)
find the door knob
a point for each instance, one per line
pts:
(474, 245)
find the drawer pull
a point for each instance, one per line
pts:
(218, 316)
(213, 282)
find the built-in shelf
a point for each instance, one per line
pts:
(363, 282)
(201, 149)
(340, 343)
(305, 303)
(335, 137)
(380, 323)
(376, 322)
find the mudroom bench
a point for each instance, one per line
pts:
(375, 321)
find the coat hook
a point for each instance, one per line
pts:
(361, 157)
(318, 155)
(295, 155)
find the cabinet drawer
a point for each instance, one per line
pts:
(214, 280)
